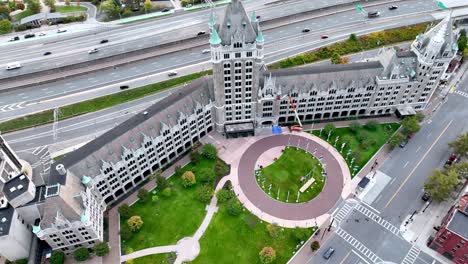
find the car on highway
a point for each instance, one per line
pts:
(172, 73)
(393, 7)
(426, 197)
(13, 65)
(41, 34)
(15, 38)
(61, 30)
(164, 10)
(328, 253)
(258, 17)
(373, 14)
(123, 87)
(30, 35)
(104, 41)
(305, 30)
(324, 36)
(201, 33)
(206, 51)
(94, 50)
(47, 53)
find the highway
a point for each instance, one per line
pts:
(281, 42)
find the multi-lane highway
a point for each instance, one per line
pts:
(281, 42)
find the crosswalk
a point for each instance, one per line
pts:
(358, 245)
(343, 212)
(44, 158)
(462, 93)
(378, 219)
(12, 107)
(412, 255)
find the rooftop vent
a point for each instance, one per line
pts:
(22, 177)
(12, 189)
(20, 187)
(61, 169)
(145, 112)
(4, 219)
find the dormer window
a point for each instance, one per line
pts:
(446, 53)
(237, 45)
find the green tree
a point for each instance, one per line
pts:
(419, 116)
(5, 26)
(267, 255)
(315, 245)
(223, 195)
(34, 6)
(125, 233)
(220, 168)
(57, 257)
(204, 193)
(162, 182)
(188, 179)
(234, 207)
(206, 175)
(440, 185)
(273, 230)
(327, 129)
(410, 125)
(101, 249)
(124, 211)
(195, 156)
(353, 37)
(167, 192)
(143, 195)
(396, 139)
(81, 254)
(461, 169)
(135, 223)
(335, 58)
(462, 40)
(354, 127)
(209, 151)
(147, 5)
(460, 146)
(50, 4)
(371, 125)
(110, 8)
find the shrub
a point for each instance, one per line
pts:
(273, 230)
(135, 223)
(353, 37)
(57, 257)
(21, 28)
(371, 125)
(162, 182)
(167, 192)
(419, 116)
(195, 156)
(154, 198)
(234, 207)
(315, 245)
(204, 193)
(221, 168)
(209, 151)
(178, 171)
(5, 26)
(267, 255)
(206, 175)
(125, 233)
(81, 254)
(101, 249)
(223, 195)
(124, 210)
(188, 179)
(143, 195)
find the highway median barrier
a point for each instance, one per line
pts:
(96, 104)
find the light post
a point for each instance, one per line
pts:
(336, 140)
(329, 134)
(342, 146)
(349, 153)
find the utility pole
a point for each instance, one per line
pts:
(55, 125)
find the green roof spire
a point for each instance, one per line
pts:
(85, 180)
(212, 20)
(84, 218)
(253, 18)
(260, 38)
(214, 39)
(36, 229)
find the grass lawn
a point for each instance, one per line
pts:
(239, 239)
(68, 9)
(363, 143)
(24, 14)
(154, 259)
(284, 175)
(169, 219)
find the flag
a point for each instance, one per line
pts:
(359, 8)
(441, 5)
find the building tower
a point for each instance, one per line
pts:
(435, 50)
(237, 57)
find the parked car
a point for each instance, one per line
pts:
(452, 159)
(206, 51)
(305, 30)
(61, 30)
(123, 87)
(172, 73)
(373, 14)
(393, 7)
(93, 50)
(47, 53)
(201, 33)
(426, 197)
(165, 10)
(15, 38)
(328, 253)
(324, 36)
(403, 143)
(30, 35)
(104, 41)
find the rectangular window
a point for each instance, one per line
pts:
(238, 54)
(249, 54)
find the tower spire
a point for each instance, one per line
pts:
(214, 38)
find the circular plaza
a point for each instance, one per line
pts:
(250, 182)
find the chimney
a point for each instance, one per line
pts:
(61, 169)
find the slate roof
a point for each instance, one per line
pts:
(18, 184)
(459, 224)
(442, 30)
(6, 215)
(237, 22)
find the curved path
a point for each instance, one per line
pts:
(314, 208)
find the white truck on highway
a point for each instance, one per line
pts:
(13, 65)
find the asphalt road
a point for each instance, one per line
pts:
(280, 43)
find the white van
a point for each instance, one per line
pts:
(13, 65)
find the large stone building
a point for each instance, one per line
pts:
(241, 96)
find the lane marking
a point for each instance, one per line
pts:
(344, 259)
(418, 149)
(406, 164)
(417, 165)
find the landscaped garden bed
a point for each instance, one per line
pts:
(361, 142)
(283, 179)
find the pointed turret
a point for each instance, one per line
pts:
(260, 38)
(253, 18)
(214, 38)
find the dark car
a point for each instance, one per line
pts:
(104, 41)
(47, 53)
(305, 30)
(258, 17)
(165, 10)
(123, 87)
(201, 33)
(452, 159)
(403, 143)
(425, 197)
(32, 35)
(14, 39)
(373, 14)
(328, 253)
(393, 7)
(324, 36)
